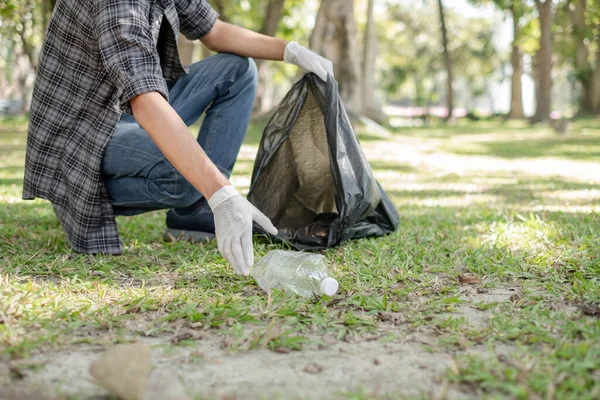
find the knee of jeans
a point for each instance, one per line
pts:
(173, 189)
(246, 70)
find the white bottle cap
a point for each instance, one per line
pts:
(328, 286)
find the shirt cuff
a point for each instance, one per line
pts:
(141, 84)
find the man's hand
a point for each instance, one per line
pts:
(307, 60)
(233, 227)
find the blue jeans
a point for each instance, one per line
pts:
(137, 175)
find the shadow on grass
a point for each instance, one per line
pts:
(11, 181)
(391, 166)
(507, 194)
(575, 147)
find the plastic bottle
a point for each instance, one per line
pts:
(301, 273)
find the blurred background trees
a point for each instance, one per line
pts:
(394, 59)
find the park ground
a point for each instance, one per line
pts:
(489, 289)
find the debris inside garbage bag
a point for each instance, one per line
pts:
(311, 177)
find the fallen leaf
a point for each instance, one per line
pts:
(337, 301)
(373, 337)
(16, 373)
(515, 298)
(393, 318)
(313, 368)
(227, 343)
(468, 279)
(186, 334)
(376, 362)
(589, 309)
(282, 350)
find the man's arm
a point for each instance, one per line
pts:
(227, 38)
(176, 142)
(233, 214)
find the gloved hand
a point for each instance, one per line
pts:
(307, 60)
(233, 227)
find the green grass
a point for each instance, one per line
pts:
(506, 225)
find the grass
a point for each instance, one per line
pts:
(481, 199)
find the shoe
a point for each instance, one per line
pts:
(194, 223)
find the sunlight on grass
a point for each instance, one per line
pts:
(478, 199)
(528, 234)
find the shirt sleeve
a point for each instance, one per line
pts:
(127, 50)
(196, 17)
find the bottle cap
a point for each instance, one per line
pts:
(328, 286)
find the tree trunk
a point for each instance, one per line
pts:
(516, 102)
(334, 37)
(270, 26)
(447, 63)
(370, 106)
(543, 107)
(583, 69)
(595, 86)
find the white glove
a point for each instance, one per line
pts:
(307, 60)
(233, 227)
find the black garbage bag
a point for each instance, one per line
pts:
(311, 177)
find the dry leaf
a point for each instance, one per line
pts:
(468, 279)
(313, 368)
(282, 350)
(589, 309)
(515, 298)
(376, 362)
(337, 301)
(16, 372)
(186, 334)
(393, 318)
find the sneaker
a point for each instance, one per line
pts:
(194, 223)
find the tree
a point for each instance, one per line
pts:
(21, 24)
(584, 17)
(517, 9)
(273, 14)
(516, 61)
(370, 106)
(447, 63)
(334, 37)
(543, 62)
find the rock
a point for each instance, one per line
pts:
(123, 370)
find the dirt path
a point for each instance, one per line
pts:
(328, 369)
(393, 369)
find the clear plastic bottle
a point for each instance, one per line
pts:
(301, 273)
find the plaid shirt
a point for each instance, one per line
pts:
(97, 56)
